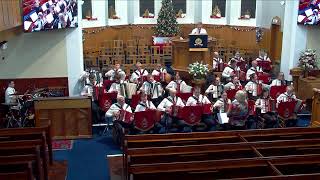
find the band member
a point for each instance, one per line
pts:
(116, 70)
(159, 69)
(264, 103)
(280, 81)
(144, 104)
(170, 106)
(229, 71)
(215, 90)
(238, 57)
(197, 98)
(10, 93)
(263, 56)
(114, 110)
(138, 74)
(253, 87)
(238, 111)
(153, 89)
(235, 84)
(287, 96)
(179, 85)
(216, 62)
(223, 103)
(253, 69)
(89, 90)
(118, 86)
(84, 76)
(113, 115)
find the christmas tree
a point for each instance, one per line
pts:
(167, 24)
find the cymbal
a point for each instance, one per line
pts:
(39, 90)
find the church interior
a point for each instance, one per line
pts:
(159, 89)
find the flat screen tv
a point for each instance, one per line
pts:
(309, 12)
(42, 15)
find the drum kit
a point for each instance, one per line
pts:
(20, 113)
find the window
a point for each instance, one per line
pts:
(248, 6)
(221, 4)
(112, 9)
(86, 9)
(146, 4)
(179, 5)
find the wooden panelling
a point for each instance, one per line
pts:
(241, 39)
(70, 117)
(10, 14)
(22, 85)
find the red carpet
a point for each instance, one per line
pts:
(62, 144)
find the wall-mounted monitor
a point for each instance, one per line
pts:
(42, 15)
(309, 12)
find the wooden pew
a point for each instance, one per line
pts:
(34, 143)
(25, 174)
(215, 154)
(29, 148)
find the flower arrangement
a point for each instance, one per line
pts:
(198, 70)
(308, 60)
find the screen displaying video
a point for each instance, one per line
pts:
(42, 15)
(309, 13)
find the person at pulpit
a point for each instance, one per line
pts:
(116, 70)
(137, 75)
(178, 84)
(199, 30)
(89, 90)
(216, 61)
(153, 89)
(229, 71)
(280, 81)
(10, 93)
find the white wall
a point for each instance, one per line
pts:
(294, 38)
(35, 55)
(269, 10)
(313, 39)
(99, 10)
(48, 54)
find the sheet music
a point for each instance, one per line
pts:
(223, 118)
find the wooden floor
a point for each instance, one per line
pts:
(58, 171)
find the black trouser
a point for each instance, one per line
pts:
(96, 117)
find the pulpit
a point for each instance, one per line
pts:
(183, 55)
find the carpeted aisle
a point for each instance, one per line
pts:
(87, 160)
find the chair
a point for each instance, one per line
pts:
(132, 59)
(156, 56)
(117, 59)
(143, 50)
(167, 54)
(118, 44)
(132, 43)
(131, 50)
